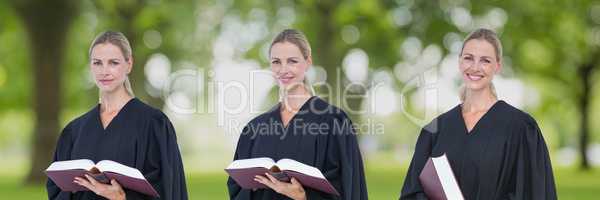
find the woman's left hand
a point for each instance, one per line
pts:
(112, 191)
(293, 190)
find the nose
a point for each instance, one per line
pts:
(477, 65)
(103, 69)
(100, 69)
(285, 68)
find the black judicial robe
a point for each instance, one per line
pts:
(319, 135)
(503, 157)
(139, 136)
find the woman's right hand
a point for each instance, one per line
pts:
(112, 191)
(292, 190)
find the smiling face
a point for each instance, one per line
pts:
(478, 64)
(109, 67)
(288, 64)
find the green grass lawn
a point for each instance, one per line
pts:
(382, 183)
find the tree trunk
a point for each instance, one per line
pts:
(327, 49)
(585, 73)
(47, 24)
(138, 76)
(128, 14)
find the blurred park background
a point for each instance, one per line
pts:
(395, 59)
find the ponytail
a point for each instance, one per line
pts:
(128, 87)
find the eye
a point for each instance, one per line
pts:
(96, 62)
(275, 62)
(293, 61)
(468, 58)
(112, 62)
(486, 61)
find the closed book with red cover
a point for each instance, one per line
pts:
(438, 180)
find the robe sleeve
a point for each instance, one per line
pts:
(166, 174)
(241, 152)
(345, 168)
(412, 186)
(62, 152)
(533, 178)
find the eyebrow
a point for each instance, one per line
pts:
(276, 58)
(468, 54)
(112, 59)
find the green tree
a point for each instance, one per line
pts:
(559, 48)
(47, 24)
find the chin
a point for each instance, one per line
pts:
(290, 86)
(475, 86)
(107, 89)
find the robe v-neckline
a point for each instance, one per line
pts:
(302, 108)
(115, 118)
(479, 121)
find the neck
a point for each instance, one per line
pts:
(115, 100)
(295, 97)
(478, 100)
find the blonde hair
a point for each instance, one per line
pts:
(490, 37)
(119, 40)
(297, 38)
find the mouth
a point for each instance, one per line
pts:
(285, 79)
(474, 77)
(105, 81)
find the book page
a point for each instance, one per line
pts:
(289, 164)
(112, 166)
(84, 164)
(251, 163)
(447, 179)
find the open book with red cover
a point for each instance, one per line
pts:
(438, 180)
(243, 172)
(64, 172)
